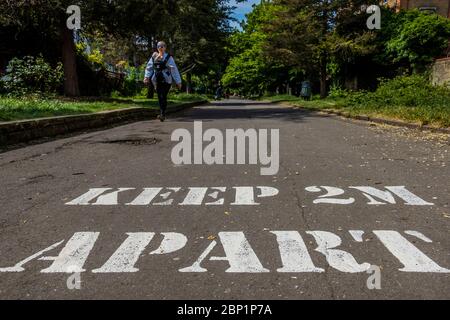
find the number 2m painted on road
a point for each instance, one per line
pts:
(375, 196)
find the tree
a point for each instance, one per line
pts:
(47, 18)
(249, 71)
(312, 33)
(199, 31)
(197, 28)
(420, 38)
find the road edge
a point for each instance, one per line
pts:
(391, 122)
(24, 131)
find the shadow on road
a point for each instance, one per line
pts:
(219, 110)
(243, 110)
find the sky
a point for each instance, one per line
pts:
(242, 9)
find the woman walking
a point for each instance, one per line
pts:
(162, 71)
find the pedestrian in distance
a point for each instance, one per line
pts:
(219, 91)
(162, 71)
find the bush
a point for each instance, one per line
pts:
(133, 83)
(338, 92)
(407, 91)
(420, 38)
(31, 75)
(406, 97)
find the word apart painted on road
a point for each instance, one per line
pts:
(234, 252)
(191, 196)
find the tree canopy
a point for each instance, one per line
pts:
(196, 30)
(420, 38)
(327, 41)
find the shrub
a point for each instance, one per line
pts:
(407, 91)
(32, 75)
(338, 92)
(133, 83)
(95, 57)
(406, 97)
(419, 39)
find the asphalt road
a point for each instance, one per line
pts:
(120, 251)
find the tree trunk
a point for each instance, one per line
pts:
(189, 83)
(71, 87)
(323, 78)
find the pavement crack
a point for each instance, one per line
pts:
(296, 196)
(302, 213)
(37, 155)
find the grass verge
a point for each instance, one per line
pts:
(407, 98)
(33, 107)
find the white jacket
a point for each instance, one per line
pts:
(170, 73)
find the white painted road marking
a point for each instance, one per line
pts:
(73, 256)
(243, 196)
(294, 254)
(338, 259)
(387, 197)
(124, 259)
(412, 258)
(239, 254)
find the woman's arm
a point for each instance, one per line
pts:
(149, 69)
(174, 71)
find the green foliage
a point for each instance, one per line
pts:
(249, 71)
(195, 31)
(245, 73)
(408, 91)
(406, 97)
(287, 41)
(132, 85)
(411, 98)
(31, 75)
(29, 107)
(37, 107)
(95, 58)
(185, 97)
(204, 84)
(419, 38)
(337, 92)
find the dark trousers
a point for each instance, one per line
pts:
(162, 89)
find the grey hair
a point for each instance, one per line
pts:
(161, 43)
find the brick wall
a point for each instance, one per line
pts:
(442, 6)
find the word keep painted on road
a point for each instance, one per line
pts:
(194, 196)
(239, 255)
(242, 196)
